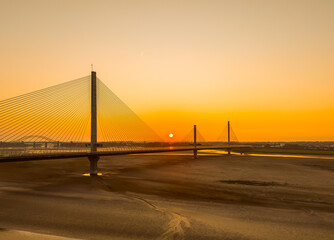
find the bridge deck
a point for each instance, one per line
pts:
(34, 157)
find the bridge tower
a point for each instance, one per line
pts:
(93, 158)
(228, 137)
(195, 142)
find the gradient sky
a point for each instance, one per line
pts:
(267, 66)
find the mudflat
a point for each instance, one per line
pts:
(170, 196)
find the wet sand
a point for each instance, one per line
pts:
(170, 196)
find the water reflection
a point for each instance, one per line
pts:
(88, 174)
(290, 155)
(272, 154)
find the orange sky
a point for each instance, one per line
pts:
(267, 66)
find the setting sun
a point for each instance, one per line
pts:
(171, 135)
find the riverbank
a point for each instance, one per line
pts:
(171, 197)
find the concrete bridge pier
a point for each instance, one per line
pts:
(195, 153)
(93, 164)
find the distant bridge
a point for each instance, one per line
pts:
(84, 118)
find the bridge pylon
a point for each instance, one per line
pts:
(228, 137)
(93, 159)
(195, 142)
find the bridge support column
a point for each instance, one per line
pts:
(93, 164)
(93, 133)
(195, 142)
(228, 137)
(93, 122)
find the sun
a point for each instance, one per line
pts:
(171, 135)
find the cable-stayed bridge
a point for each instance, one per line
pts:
(84, 118)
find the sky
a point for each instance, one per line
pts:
(266, 66)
